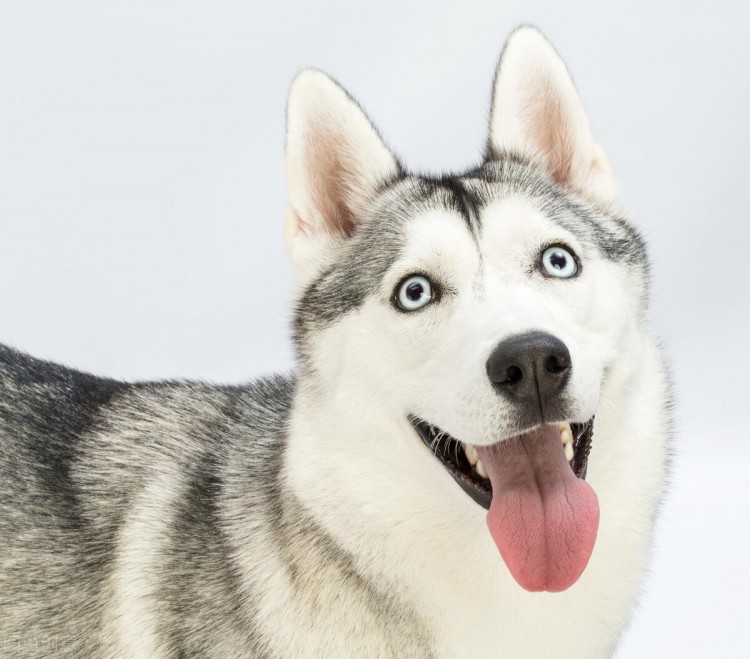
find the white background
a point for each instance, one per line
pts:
(142, 192)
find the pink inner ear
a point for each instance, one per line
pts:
(551, 130)
(330, 180)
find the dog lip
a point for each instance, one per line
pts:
(453, 458)
(450, 454)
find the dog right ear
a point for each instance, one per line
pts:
(335, 161)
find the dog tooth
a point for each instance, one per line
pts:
(566, 436)
(569, 452)
(471, 454)
(479, 467)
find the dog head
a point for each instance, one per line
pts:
(486, 307)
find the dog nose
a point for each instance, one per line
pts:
(535, 365)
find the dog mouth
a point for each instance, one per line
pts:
(463, 463)
(542, 514)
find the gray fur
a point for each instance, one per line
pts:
(76, 452)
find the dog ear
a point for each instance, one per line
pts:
(536, 112)
(335, 161)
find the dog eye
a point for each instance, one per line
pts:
(558, 261)
(413, 293)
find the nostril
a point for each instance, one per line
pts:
(513, 375)
(556, 364)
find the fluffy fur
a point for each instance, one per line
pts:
(303, 516)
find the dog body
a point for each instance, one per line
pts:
(323, 514)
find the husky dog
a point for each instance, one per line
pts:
(467, 463)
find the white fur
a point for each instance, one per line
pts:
(131, 630)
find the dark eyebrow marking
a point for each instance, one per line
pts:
(465, 203)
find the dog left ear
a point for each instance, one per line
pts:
(335, 161)
(536, 111)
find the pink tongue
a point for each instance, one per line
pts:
(542, 518)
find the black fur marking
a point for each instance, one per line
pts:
(200, 584)
(64, 406)
(464, 203)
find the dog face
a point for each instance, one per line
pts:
(483, 306)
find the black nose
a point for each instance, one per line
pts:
(530, 367)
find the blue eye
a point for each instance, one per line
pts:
(558, 261)
(414, 293)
